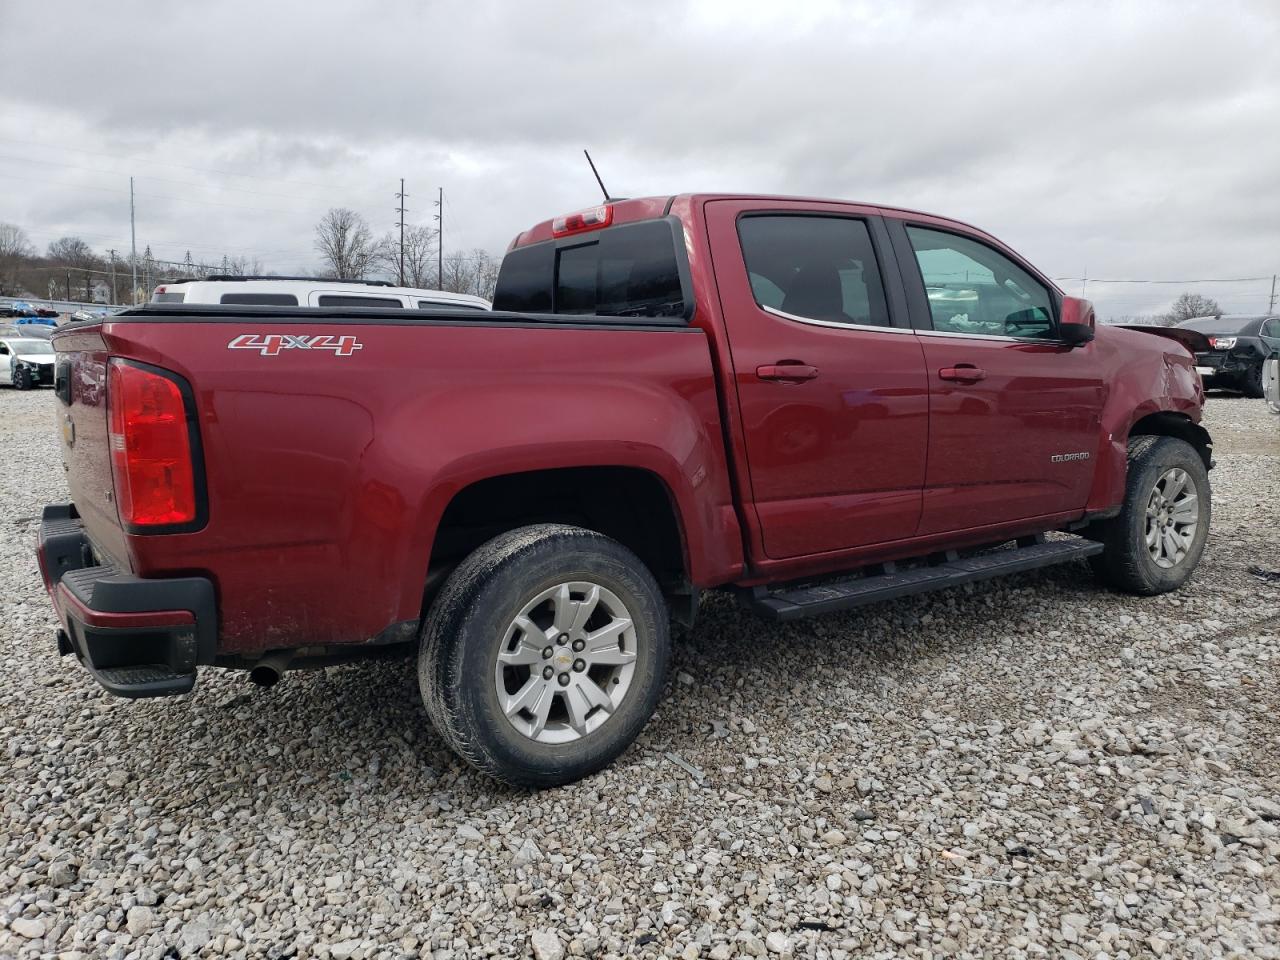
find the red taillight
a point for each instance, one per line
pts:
(593, 218)
(150, 448)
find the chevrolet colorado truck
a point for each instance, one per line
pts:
(814, 404)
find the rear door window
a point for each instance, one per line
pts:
(630, 270)
(814, 268)
(347, 300)
(447, 305)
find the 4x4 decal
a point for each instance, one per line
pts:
(271, 344)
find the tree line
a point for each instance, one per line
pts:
(71, 269)
(348, 251)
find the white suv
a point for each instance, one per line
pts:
(311, 292)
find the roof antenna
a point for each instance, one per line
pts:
(607, 198)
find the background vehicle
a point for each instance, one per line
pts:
(676, 394)
(310, 292)
(26, 362)
(1239, 345)
(1271, 382)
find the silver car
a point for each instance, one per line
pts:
(26, 362)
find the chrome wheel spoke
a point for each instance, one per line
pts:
(527, 697)
(606, 637)
(612, 657)
(584, 609)
(1186, 511)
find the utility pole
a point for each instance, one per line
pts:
(440, 241)
(114, 301)
(69, 286)
(1084, 282)
(133, 247)
(1271, 306)
(400, 210)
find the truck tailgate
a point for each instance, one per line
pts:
(81, 411)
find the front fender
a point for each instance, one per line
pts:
(1144, 378)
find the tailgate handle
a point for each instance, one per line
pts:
(62, 381)
(963, 372)
(787, 371)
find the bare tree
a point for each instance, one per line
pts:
(72, 252)
(345, 244)
(15, 251)
(1192, 305)
(475, 273)
(245, 266)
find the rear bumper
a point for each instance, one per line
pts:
(137, 637)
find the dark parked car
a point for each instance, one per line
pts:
(1238, 347)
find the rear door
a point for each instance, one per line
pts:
(1014, 413)
(830, 377)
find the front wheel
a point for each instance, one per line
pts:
(544, 654)
(22, 378)
(1155, 543)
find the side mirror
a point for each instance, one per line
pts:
(1076, 313)
(1075, 334)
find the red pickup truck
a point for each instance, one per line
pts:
(815, 404)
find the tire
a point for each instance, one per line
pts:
(1252, 384)
(22, 378)
(479, 613)
(1127, 562)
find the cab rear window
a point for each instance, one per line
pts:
(171, 297)
(632, 270)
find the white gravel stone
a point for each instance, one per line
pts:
(985, 772)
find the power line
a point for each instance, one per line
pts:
(1228, 280)
(184, 183)
(165, 163)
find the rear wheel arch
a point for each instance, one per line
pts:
(631, 505)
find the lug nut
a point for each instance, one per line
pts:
(579, 646)
(564, 679)
(579, 665)
(562, 639)
(546, 653)
(547, 673)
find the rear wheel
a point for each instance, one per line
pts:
(1155, 543)
(544, 654)
(1253, 383)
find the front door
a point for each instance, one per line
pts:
(830, 377)
(1014, 413)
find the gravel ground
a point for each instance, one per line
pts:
(1024, 768)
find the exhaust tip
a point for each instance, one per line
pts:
(267, 671)
(264, 676)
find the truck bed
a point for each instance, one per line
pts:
(332, 441)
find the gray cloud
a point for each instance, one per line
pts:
(1137, 141)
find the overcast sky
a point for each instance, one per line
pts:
(1134, 141)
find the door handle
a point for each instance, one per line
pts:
(787, 372)
(963, 372)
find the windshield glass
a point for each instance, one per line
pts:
(40, 348)
(1218, 325)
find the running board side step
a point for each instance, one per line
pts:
(828, 597)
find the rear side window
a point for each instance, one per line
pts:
(343, 300)
(176, 297)
(261, 299)
(814, 267)
(625, 271)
